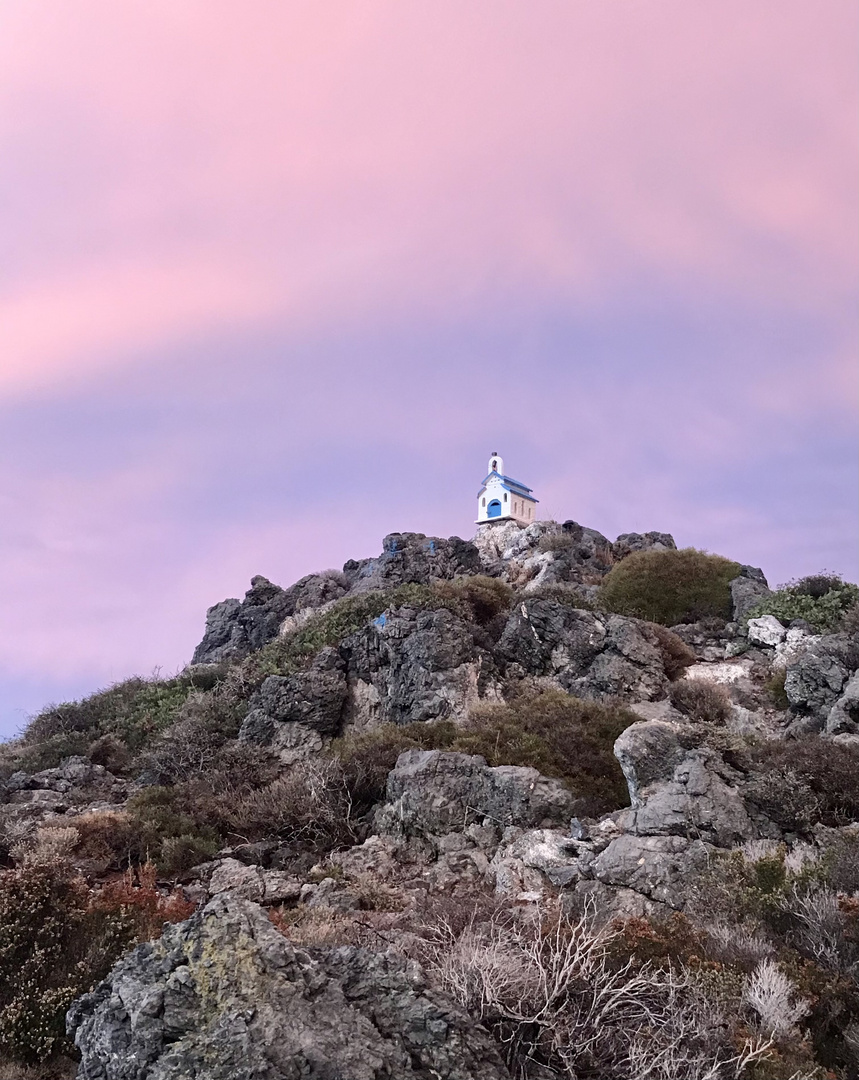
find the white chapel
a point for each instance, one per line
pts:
(501, 498)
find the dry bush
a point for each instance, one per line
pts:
(802, 782)
(676, 654)
(367, 757)
(773, 997)
(109, 836)
(111, 752)
(553, 995)
(824, 928)
(559, 735)
(309, 805)
(484, 597)
(137, 895)
(669, 587)
(53, 946)
(320, 926)
(702, 701)
(46, 846)
(558, 542)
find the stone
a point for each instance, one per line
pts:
(314, 698)
(412, 665)
(843, 717)
(235, 628)
(747, 591)
(237, 878)
(679, 786)
(626, 543)
(766, 630)
(413, 558)
(225, 996)
(527, 858)
(431, 793)
(814, 681)
(656, 866)
(585, 654)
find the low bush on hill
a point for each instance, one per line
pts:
(559, 735)
(821, 600)
(125, 716)
(669, 587)
(676, 654)
(803, 782)
(58, 938)
(701, 701)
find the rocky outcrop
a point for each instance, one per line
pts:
(235, 628)
(413, 558)
(747, 590)
(586, 654)
(679, 786)
(431, 793)
(225, 996)
(314, 698)
(411, 665)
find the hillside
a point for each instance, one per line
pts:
(537, 805)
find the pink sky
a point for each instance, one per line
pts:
(276, 277)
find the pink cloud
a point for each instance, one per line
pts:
(326, 162)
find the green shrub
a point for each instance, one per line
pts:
(53, 947)
(163, 815)
(133, 712)
(368, 756)
(822, 600)
(669, 587)
(483, 597)
(775, 687)
(561, 736)
(802, 782)
(701, 701)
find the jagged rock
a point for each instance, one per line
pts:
(766, 630)
(527, 858)
(656, 866)
(815, 680)
(230, 875)
(235, 628)
(747, 590)
(626, 543)
(413, 558)
(586, 654)
(225, 996)
(314, 698)
(290, 741)
(678, 786)
(411, 665)
(844, 715)
(431, 793)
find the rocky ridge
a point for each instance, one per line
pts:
(227, 994)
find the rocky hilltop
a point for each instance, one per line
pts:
(536, 805)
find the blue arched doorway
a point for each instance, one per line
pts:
(494, 509)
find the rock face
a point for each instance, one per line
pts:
(585, 654)
(224, 996)
(431, 793)
(413, 558)
(411, 665)
(747, 590)
(235, 628)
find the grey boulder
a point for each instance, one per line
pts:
(225, 996)
(431, 793)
